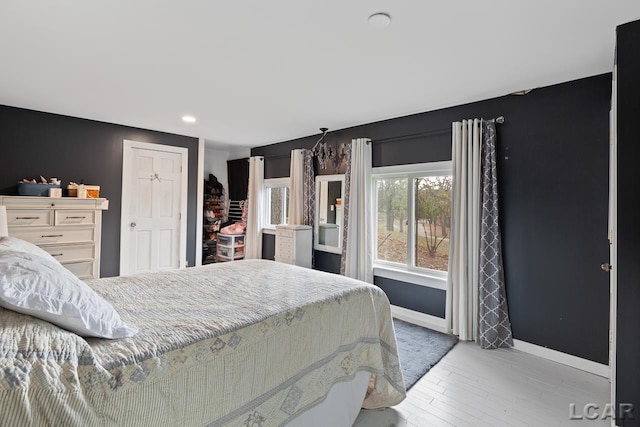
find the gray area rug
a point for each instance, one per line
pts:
(419, 349)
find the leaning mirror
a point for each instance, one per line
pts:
(329, 213)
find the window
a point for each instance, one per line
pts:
(413, 217)
(277, 201)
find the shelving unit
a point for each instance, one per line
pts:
(214, 216)
(230, 247)
(235, 210)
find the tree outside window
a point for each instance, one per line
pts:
(419, 240)
(433, 221)
(392, 220)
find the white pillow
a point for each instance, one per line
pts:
(43, 288)
(15, 244)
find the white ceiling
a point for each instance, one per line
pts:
(255, 72)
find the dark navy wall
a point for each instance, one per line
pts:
(33, 143)
(268, 246)
(414, 297)
(553, 172)
(628, 265)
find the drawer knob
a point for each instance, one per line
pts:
(133, 225)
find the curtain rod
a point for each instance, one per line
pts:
(499, 120)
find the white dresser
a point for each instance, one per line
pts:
(293, 244)
(68, 228)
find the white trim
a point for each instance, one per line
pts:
(199, 203)
(268, 184)
(269, 230)
(316, 229)
(426, 169)
(440, 325)
(613, 235)
(277, 182)
(425, 320)
(127, 146)
(413, 277)
(411, 173)
(563, 358)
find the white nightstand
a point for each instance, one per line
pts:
(293, 244)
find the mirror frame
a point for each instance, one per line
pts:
(316, 226)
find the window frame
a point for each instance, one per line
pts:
(268, 184)
(316, 228)
(408, 271)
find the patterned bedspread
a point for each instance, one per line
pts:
(247, 343)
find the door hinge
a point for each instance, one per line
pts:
(611, 237)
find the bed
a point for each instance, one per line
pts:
(247, 343)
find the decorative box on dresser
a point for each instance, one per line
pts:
(69, 228)
(293, 245)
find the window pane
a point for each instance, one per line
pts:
(275, 210)
(392, 219)
(433, 221)
(286, 205)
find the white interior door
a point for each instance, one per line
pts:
(153, 229)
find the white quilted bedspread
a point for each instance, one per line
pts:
(248, 343)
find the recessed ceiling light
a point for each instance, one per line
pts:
(380, 20)
(188, 119)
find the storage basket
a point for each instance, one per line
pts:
(29, 189)
(93, 191)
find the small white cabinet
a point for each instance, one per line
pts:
(68, 228)
(230, 247)
(293, 244)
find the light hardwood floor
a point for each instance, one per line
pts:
(506, 387)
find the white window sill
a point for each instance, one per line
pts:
(413, 277)
(269, 230)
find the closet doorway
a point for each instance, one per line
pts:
(154, 204)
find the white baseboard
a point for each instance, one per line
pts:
(440, 325)
(564, 358)
(421, 319)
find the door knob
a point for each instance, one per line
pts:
(605, 266)
(133, 224)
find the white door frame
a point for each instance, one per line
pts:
(127, 148)
(613, 236)
(200, 203)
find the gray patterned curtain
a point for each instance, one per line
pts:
(345, 209)
(309, 196)
(494, 327)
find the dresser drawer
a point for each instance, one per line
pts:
(285, 251)
(84, 269)
(65, 217)
(284, 243)
(28, 218)
(284, 233)
(67, 253)
(51, 236)
(32, 202)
